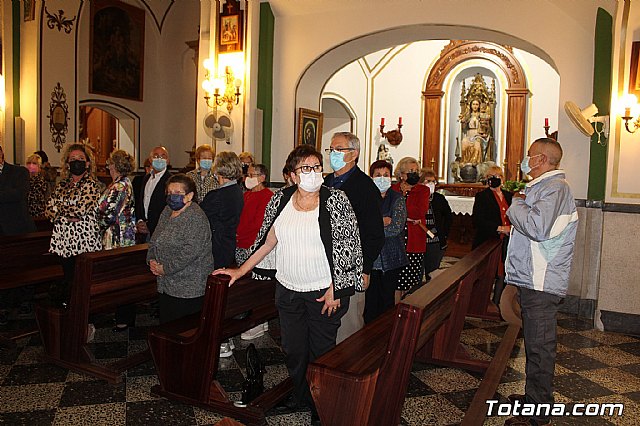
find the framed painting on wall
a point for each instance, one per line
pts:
(230, 28)
(634, 73)
(116, 57)
(310, 128)
(29, 10)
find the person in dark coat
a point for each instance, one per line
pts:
(151, 200)
(365, 199)
(491, 221)
(14, 188)
(223, 207)
(439, 218)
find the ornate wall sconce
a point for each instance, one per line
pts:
(630, 101)
(221, 91)
(393, 136)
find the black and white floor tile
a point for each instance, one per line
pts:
(592, 366)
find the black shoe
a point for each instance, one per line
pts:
(315, 418)
(288, 405)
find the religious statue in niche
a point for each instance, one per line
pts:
(475, 147)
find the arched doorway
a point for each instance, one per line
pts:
(338, 117)
(108, 127)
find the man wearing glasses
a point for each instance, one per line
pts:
(151, 201)
(365, 199)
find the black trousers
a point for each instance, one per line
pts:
(380, 294)
(539, 323)
(306, 334)
(172, 308)
(432, 258)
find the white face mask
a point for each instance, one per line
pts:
(431, 186)
(251, 182)
(311, 182)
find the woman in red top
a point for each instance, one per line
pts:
(255, 201)
(417, 199)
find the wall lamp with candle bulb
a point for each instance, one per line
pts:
(221, 91)
(630, 102)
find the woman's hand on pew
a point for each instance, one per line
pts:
(234, 274)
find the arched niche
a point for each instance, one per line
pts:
(455, 53)
(127, 128)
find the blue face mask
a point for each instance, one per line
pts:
(206, 164)
(383, 183)
(524, 166)
(175, 201)
(159, 164)
(336, 159)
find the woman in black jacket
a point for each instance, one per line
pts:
(490, 219)
(439, 219)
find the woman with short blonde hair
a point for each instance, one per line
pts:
(203, 175)
(38, 188)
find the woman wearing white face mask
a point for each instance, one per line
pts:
(203, 175)
(309, 242)
(385, 273)
(439, 218)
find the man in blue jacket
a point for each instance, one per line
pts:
(544, 222)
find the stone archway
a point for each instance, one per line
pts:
(452, 55)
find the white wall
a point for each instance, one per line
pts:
(389, 83)
(303, 42)
(167, 113)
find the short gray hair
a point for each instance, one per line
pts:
(352, 139)
(228, 165)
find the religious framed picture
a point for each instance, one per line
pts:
(230, 28)
(116, 57)
(29, 10)
(634, 73)
(310, 128)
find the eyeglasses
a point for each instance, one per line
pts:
(176, 193)
(252, 175)
(330, 150)
(156, 157)
(307, 169)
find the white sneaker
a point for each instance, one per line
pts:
(225, 350)
(255, 332)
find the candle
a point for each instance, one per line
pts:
(399, 120)
(382, 121)
(627, 112)
(546, 122)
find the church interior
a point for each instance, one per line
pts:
(459, 85)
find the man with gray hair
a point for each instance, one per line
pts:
(365, 199)
(544, 221)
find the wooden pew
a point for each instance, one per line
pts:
(363, 380)
(25, 260)
(103, 280)
(186, 351)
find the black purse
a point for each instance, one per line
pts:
(253, 386)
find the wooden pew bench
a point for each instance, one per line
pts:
(25, 260)
(363, 380)
(186, 351)
(103, 281)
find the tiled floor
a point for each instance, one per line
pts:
(592, 367)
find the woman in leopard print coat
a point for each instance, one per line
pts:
(72, 209)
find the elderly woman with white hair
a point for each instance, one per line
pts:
(417, 198)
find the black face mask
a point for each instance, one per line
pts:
(494, 182)
(413, 178)
(77, 167)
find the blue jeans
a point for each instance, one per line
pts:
(539, 323)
